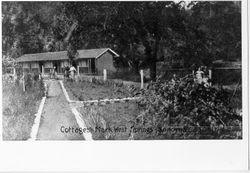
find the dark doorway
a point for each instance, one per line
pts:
(74, 64)
(92, 65)
(40, 67)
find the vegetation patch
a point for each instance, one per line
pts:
(180, 108)
(185, 109)
(110, 122)
(20, 107)
(95, 90)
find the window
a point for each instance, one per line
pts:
(83, 63)
(64, 63)
(48, 65)
(34, 65)
(26, 65)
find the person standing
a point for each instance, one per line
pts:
(199, 75)
(72, 71)
(66, 72)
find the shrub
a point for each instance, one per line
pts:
(183, 109)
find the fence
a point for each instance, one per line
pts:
(226, 76)
(219, 76)
(105, 78)
(168, 74)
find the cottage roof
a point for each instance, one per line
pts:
(62, 55)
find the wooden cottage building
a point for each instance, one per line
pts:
(88, 61)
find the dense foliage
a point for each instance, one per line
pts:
(185, 109)
(141, 32)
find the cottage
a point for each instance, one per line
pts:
(88, 61)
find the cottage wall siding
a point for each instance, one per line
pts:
(105, 62)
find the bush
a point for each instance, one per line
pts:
(183, 109)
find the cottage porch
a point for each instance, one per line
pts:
(83, 66)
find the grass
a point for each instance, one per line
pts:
(92, 91)
(110, 122)
(106, 122)
(19, 109)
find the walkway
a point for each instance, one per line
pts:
(57, 116)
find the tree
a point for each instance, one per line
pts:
(26, 26)
(141, 32)
(218, 25)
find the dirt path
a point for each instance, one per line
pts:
(57, 116)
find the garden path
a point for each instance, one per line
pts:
(57, 116)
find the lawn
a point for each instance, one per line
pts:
(93, 91)
(19, 109)
(110, 122)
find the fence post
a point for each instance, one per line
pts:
(14, 74)
(141, 73)
(23, 83)
(78, 72)
(14, 71)
(104, 74)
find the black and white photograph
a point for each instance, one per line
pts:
(142, 70)
(124, 86)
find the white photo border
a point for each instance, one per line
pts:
(155, 155)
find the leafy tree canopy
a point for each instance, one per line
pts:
(141, 32)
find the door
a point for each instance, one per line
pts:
(40, 67)
(92, 65)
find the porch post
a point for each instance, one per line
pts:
(89, 70)
(42, 70)
(96, 70)
(78, 70)
(23, 83)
